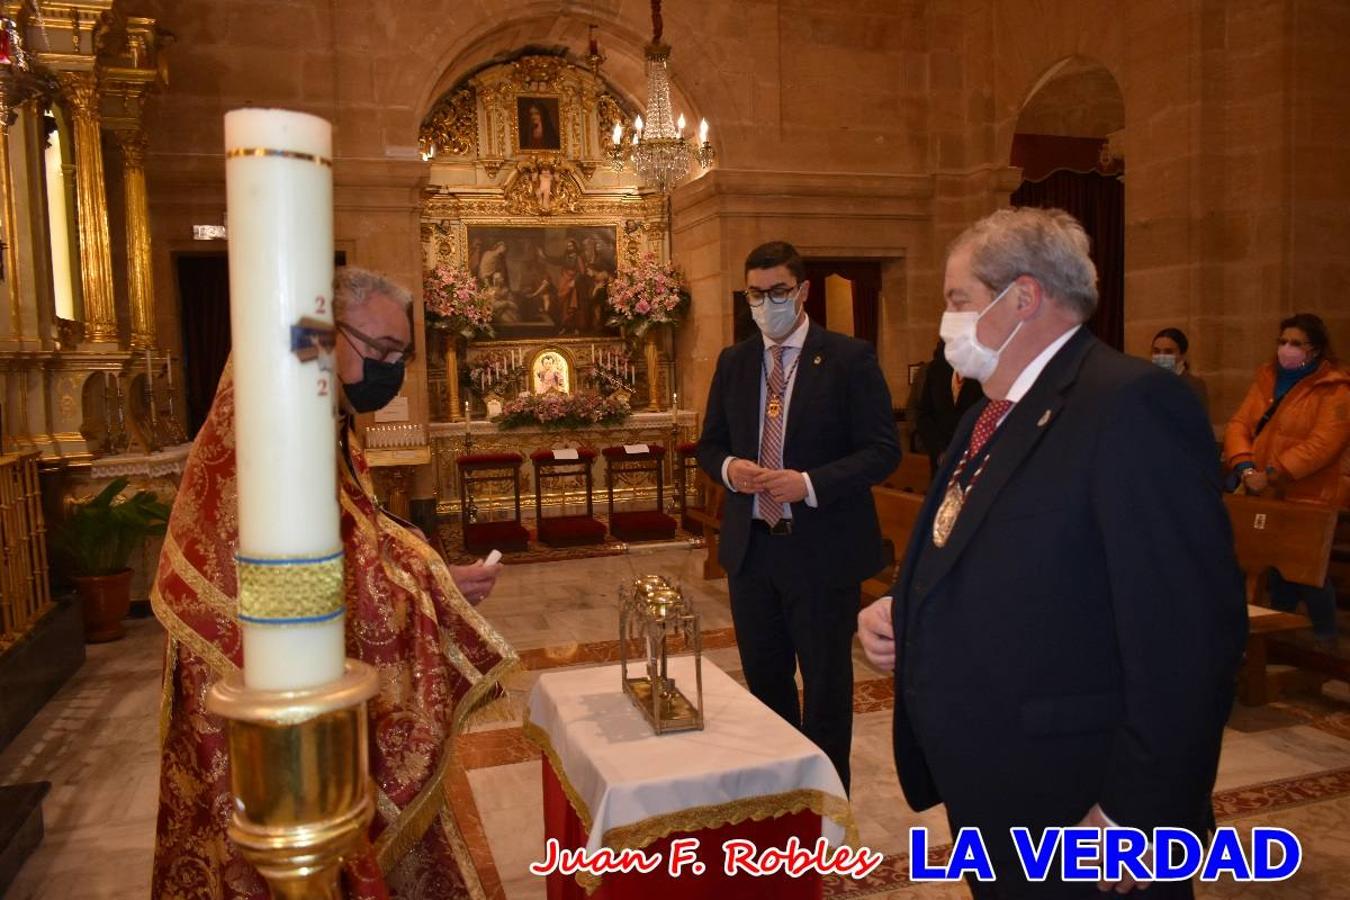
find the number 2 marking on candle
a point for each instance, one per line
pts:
(321, 305)
(323, 387)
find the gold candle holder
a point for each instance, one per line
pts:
(299, 763)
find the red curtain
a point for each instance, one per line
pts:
(1098, 201)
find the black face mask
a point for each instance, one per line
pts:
(380, 383)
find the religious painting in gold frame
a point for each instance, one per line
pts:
(552, 371)
(546, 281)
(538, 123)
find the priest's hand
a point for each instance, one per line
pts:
(742, 474)
(475, 582)
(876, 634)
(782, 485)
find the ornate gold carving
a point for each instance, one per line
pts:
(492, 166)
(610, 112)
(538, 73)
(542, 187)
(81, 91)
(452, 125)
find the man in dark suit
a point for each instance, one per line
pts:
(1069, 618)
(798, 428)
(943, 399)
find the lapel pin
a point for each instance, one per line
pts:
(816, 361)
(1045, 417)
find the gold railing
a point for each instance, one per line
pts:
(24, 591)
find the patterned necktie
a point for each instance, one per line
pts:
(771, 438)
(986, 424)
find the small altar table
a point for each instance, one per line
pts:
(609, 781)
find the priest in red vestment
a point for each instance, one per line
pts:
(408, 615)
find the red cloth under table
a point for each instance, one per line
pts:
(561, 822)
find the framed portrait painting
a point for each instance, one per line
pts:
(545, 282)
(537, 122)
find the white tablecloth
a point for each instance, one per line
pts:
(630, 786)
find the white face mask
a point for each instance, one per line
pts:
(968, 356)
(1165, 361)
(776, 320)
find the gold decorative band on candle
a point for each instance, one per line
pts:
(280, 154)
(290, 590)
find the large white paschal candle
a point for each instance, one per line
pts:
(279, 191)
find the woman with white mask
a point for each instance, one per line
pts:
(1169, 352)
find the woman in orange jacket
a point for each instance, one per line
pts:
(1291, 438)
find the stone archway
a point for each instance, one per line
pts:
(1068, 144)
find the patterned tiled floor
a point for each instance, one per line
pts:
(1285, 764)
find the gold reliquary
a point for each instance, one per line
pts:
(656, 617)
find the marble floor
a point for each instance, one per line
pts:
(1284, 764)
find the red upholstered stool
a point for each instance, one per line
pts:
(565, 530)
(478, 469)
(644, 524)
(686, 471)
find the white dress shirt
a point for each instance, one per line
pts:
(1023, 383)
(792, 351)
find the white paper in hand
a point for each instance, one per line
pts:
(493, 558)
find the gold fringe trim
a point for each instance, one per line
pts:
(540, 738)
(640, 834)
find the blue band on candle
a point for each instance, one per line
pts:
(302, 620)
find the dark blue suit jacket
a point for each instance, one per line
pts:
(1078, 638)
(840, 431)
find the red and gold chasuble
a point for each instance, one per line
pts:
(438, 661)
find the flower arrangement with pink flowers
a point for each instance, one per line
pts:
(650, 293)
(455, 302)
(557, 410)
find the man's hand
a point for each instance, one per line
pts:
(1255, 482)
(1095, 818)
(475, 582)
(742, 474)
(876, 634)
(781, 485)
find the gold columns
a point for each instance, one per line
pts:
(140, 284)
(8, 105)
(100, 314)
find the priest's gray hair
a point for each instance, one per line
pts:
(353, 286)
(1047, 244)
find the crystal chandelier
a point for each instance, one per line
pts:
(660, 153)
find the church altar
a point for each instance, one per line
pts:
(449, 440)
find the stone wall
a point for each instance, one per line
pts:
(865, 129)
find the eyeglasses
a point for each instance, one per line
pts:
(386, 349)
(778, 295)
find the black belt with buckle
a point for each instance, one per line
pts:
(779, 528)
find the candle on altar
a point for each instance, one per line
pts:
(466, 417)
(279, 193)
(675, 400)
(168, 369)
(149, 369)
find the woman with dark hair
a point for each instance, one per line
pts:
(1290, 439)
(1169, 352)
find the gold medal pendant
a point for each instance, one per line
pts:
(775, 408)
(945, 520)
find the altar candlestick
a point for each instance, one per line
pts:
(279, 192)
(466, 417)
(675, 400)
(168, 370)
(149, 369)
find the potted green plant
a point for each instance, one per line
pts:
(97, 542)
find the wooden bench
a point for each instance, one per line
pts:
(914, 474)
(898, 512)
(1295, 540)
(708, 516)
